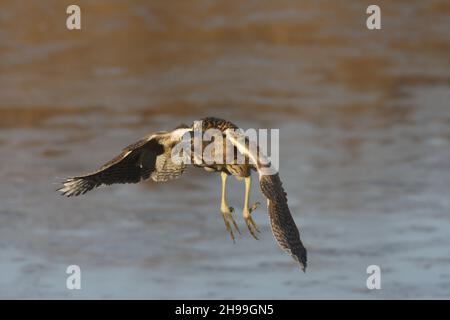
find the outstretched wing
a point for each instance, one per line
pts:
(282, 224)
(135, 163)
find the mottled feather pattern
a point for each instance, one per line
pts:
(283, 226)
(216, 123)
(166, 169)
(239, 170)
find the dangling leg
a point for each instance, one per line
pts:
(252, 227)
(225, 209)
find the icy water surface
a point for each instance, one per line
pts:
(364, 120)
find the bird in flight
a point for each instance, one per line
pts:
(152, 157)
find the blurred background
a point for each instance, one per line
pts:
(364, 123)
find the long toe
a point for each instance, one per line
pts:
(254, 225)
(254, 207)
(228, 227)
(251, 225)
(235, 224)
(229, 221)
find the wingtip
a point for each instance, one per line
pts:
(69, 188)
(303, 264)
(301, 259)
(63, 192)
(303, 267)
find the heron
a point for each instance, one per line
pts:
(152, 158)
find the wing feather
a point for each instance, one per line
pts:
(135, 163)
(283, 226)
(166, 169)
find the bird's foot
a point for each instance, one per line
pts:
(253, 207)
(251, 224)
(227, 214)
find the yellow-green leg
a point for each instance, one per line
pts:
(226, 210)
(251, 224)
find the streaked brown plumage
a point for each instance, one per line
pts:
(283, 226)
(150, 157)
